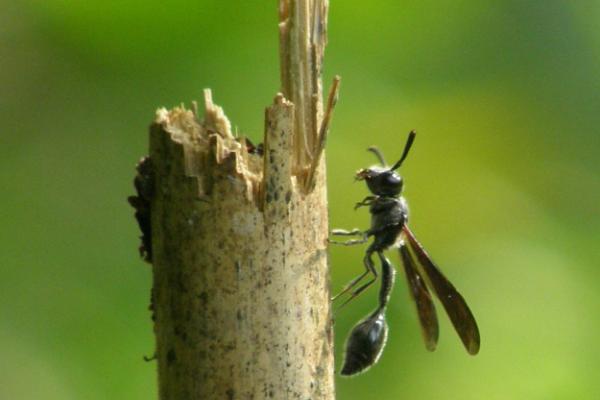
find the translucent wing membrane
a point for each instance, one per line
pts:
(460, 315)
(422, 299)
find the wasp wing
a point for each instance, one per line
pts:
(422, 299)
(454, 304)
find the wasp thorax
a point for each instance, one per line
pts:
(381, 182)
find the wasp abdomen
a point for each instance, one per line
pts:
(365, 344)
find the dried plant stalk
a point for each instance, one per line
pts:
(238, 238)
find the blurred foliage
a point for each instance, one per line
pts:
(503, 180)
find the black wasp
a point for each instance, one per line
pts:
(389, 218)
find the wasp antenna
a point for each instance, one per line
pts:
(407, 146)
(378, 154)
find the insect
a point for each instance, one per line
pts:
(389, 228)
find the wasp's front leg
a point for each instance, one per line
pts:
(365, 202)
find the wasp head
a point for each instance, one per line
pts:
(384, 181)
(381, 181)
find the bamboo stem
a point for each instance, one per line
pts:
(238, 238)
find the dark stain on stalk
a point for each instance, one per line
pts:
(171, 356)
(144, 187)
(230, 394)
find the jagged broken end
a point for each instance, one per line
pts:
(210, 141)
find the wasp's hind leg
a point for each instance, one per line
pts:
(369, 269)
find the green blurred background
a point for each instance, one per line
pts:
(503, 180)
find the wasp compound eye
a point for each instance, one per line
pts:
(365, 344)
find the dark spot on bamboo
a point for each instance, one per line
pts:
(181, 283)
(203, 297)
(144, 187)
(151, 307)
(171, 356)
(230, 394)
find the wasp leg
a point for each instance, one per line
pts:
(354, 232)
(370, 268)
(351, 284)
(367, 201)
(344, 232)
